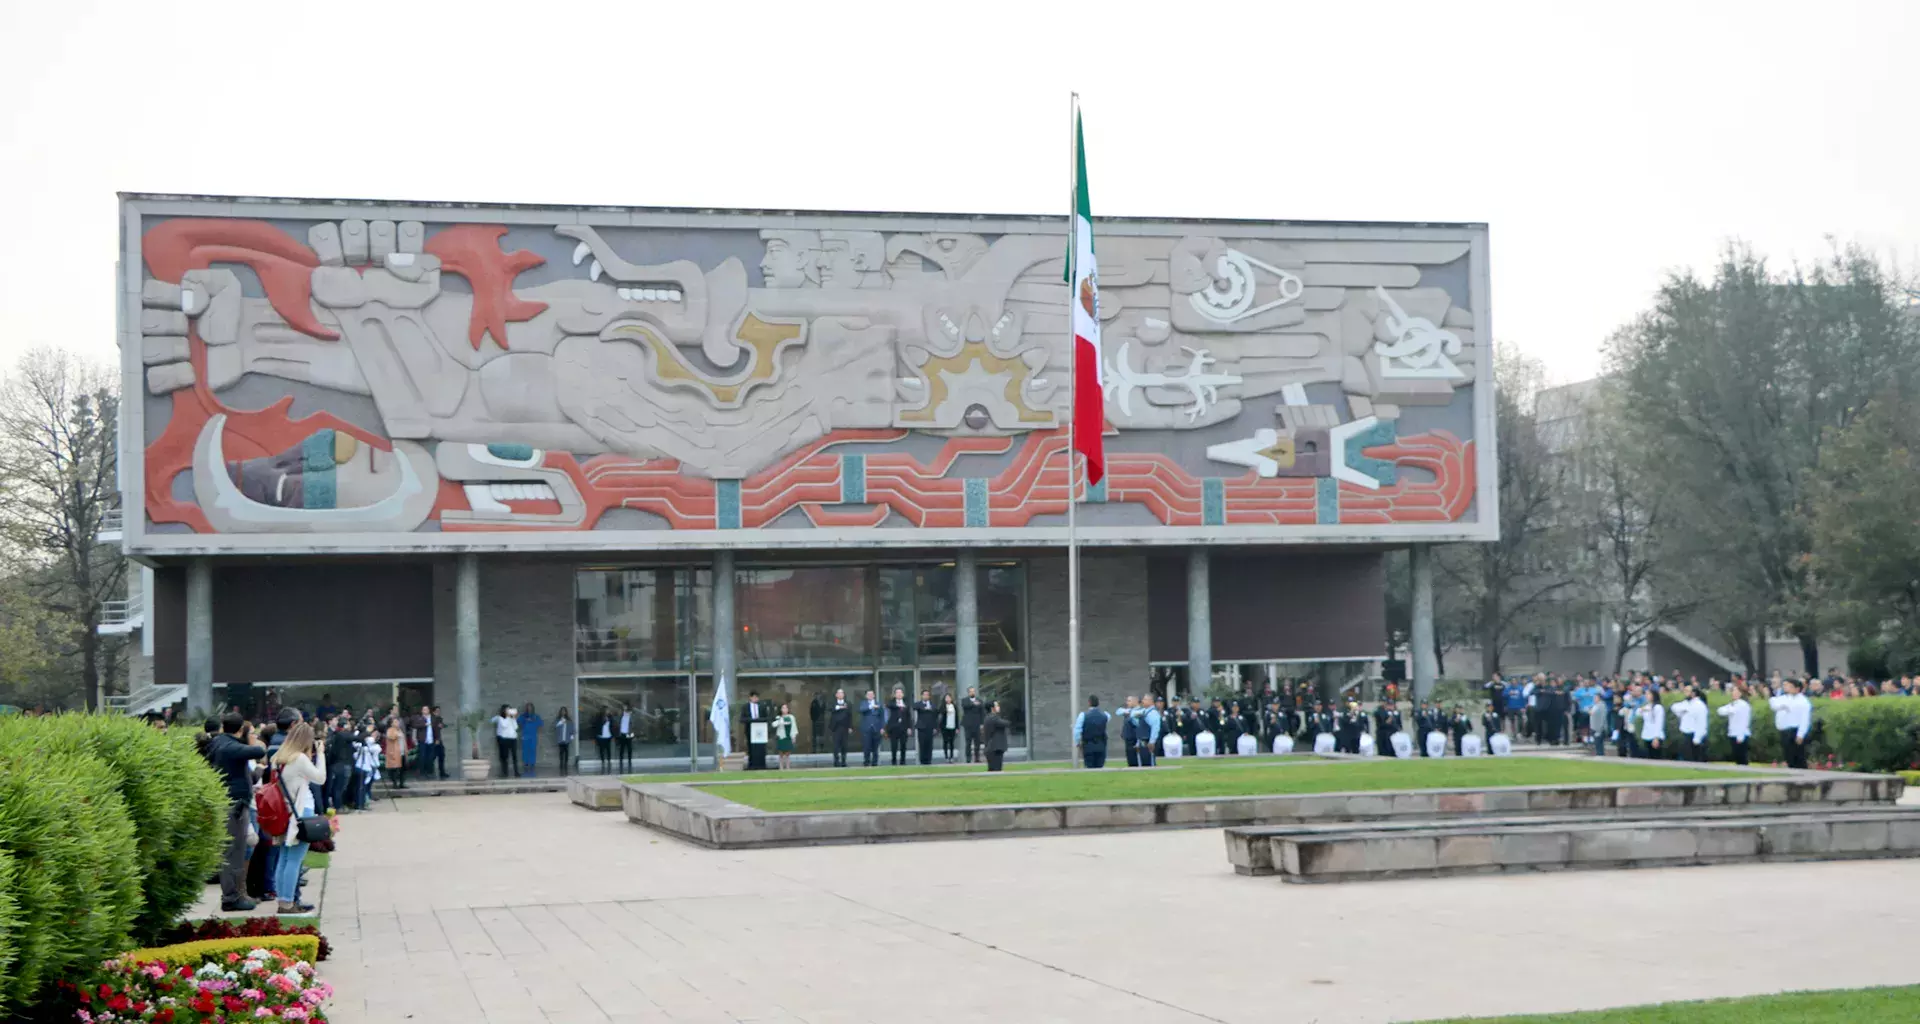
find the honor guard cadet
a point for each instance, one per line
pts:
(1386, 725)
(1229, 731)
(1348, 730)
(1461, 726)
(1323, 725)
(1490, 722)
(1193, 726)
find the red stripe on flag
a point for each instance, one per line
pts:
(1089, 410)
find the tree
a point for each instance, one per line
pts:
(1731, 388)
(1508, 585)
(1620, 512)
(1866, 528)
(58, 435)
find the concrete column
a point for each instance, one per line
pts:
(966, 610)
(466, 642)
(1420, 557)
(199, 635)
(1199, 623)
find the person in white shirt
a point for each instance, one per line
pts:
(1793, 719)
(1653, 726)
(506, 736)
(1693, 722)
(1739, 716)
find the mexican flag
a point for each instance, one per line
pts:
(1089, 408)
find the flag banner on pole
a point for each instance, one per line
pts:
(1089, 374)
(721, 718)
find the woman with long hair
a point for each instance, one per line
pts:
(297, 767)
(784, 728)
(396, 754)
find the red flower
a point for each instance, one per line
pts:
(119, 1003)
(234, 1003)
(106, 990)
(203, 1003)
(165, 1016)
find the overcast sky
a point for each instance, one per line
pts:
(1604, 143)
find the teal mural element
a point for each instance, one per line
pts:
(726, 504)
(511, 452)
(976, 501)
(1326, 507)
(1213, 501)
(1380, 469)
(1098, 492)
(316, 452)
(853, 479)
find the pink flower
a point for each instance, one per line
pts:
(294, 1013)
(252, 993)
(263, 1011)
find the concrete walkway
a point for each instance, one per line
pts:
(525, 908)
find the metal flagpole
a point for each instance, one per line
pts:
(1073, 372)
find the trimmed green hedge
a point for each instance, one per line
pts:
(109, 829)
(1875, 734)
(76, 876)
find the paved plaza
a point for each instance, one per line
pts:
(526, 908)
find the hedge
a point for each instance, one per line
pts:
(193, 954)
(76, 876)
(1875, 734)
(109, 829)
(177, 803)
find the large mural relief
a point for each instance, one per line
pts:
(543, 378)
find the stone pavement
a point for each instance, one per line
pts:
(525, 908)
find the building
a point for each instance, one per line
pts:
(603, 456)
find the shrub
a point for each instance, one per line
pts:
(1880, 734)
(193, 954)
(75, 878)
(9, 918)
(177, 804)
(249, 927)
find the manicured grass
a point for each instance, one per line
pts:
(803, 774)
(1856, 1006)
(1228, 778)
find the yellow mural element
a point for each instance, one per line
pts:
(765, 340)
(1281, 451)
(939, 368)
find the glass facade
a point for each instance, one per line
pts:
(643, 638)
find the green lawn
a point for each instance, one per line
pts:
(1228, 778)
(803, 774)
(1856, 1006)
(317, 861)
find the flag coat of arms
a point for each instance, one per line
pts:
(1089, 373)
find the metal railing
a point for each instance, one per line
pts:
(120, 613)
(113, 522)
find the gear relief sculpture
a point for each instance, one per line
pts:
(735, 385)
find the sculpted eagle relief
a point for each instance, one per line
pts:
(400, 375)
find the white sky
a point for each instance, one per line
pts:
(1603, 142)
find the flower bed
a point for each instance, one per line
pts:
(243, 928)
(263, 985)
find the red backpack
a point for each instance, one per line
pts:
(270, 804)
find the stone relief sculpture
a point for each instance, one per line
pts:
(685, 388)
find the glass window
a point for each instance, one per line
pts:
(628, 619)
(939, 618)
(1009, 687)
(899, 637)
(810, 698)
(659, 707)
(802, 617)
(1000, 597)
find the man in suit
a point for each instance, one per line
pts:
(995, 731)
(429, 738)
(926, 718)
(623, 737)
(899, 719)
(840, 725)
(972, 717)
(757, 713)
(873, 720)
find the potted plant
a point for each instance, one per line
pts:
(477, 767)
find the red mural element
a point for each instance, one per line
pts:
(473, 251)
(283, 266)
(1033, 485)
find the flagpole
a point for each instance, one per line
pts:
(1073, 372)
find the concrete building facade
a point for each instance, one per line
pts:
(603, 457)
